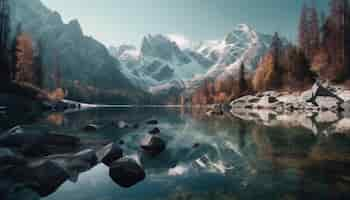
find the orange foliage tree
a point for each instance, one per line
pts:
(25, 55)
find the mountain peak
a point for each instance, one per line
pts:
(74, 25)
(243, 27)
(159, 46)
(241, 33)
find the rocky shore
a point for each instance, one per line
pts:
(322, 104)
(41, 161)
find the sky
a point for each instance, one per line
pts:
(116, 22)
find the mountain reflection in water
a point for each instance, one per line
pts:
(218, 157)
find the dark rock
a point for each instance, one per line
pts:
(121, 142)
(154, 131)
(44, 178)
(126, 172)
(152, 122)
(15, 130)
(195, 145)
(112, 153)
(92, 127)
(319, 91)
(40, 144)
(136, 126)
(154, 146)
(22, 194)
(49, 176)
(82, 161)
(8, 157)
(19, 139)
(272, 99)
(217, 109)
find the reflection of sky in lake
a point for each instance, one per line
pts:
(234, 159)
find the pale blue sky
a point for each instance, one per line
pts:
(115, 22)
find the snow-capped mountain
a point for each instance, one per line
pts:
(161, 63)
(243, 44)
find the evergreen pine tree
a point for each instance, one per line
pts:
(242, 84)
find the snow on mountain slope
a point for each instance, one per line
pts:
(165, 60)
(160, 63)
(243, 44)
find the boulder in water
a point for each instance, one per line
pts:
(82, 161)
(136, 126)
(122, 124)
(111, 153)
(154, 131)
(152, 122)
(92, 127)
(43, 177)
(8, 157)
(154, 146)
(126, 172)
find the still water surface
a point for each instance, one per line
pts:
(234, 160)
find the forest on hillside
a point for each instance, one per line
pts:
(321, 53)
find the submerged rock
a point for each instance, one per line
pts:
(43, 177)
(136, 126)
(50, 177)
(40, 144)
(195, 145)
(154, 146)
(154, 131)
(83, 160)
(152, 122)
(8, 157)
(122, 124)
(92, 127)
(126, 172)
(111, 153)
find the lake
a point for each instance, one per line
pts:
(206, 158)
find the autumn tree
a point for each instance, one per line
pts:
(25, 58)
(263, 73)
(269, 73)
(15, 50)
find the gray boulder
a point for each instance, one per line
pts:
(318, 90)
(126, 172)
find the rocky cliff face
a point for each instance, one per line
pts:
(81, 58)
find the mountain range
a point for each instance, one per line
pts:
(131, 74)
(161, 64)
(84, 62)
